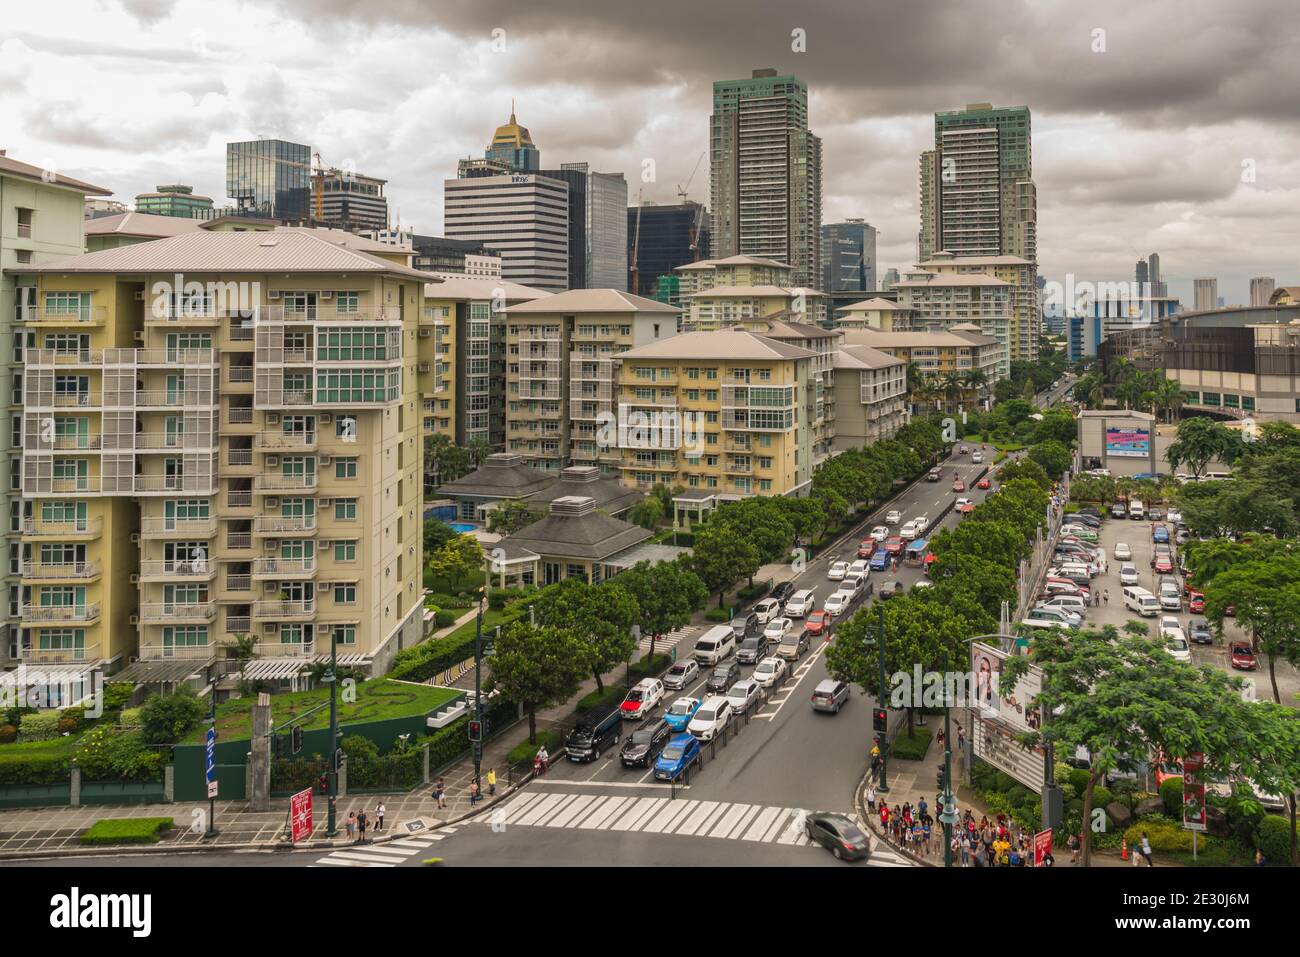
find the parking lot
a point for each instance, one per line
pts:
(1137, 534)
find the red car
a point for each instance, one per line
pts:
(867, 548)
(983, 484)
(894, 545)
(818, 622)
(1242, 656)
(958, 485)
(1166, 769)
(1163, 564)
(1195, 602)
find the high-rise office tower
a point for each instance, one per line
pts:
(1141, 274)
(765, 173)
(174, 200)
(270, 178)
(890, 280)
(512, 146)
(663, 238)
(597, 220)
(350, 200)
(849, 256)
(1153, 270)
(1205, 294)
(977, 192)
(1261, 290)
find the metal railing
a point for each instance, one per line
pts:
(162, 525)
(86, 612)
(84, 526)
(301, 608)
(152, 611)
(284, 525)
(283, 567)
(40, 570)
(198, 568)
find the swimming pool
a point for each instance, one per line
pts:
(463, 527)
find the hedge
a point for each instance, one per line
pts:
(717, 615)
(1171, 792)
(40, 726)
(1272, 838)
(911, 748)
(133, 830)
(433, 657)
(611, 694)
(1164, 836)
(754, 591)
(38, 763)
(525, 749)
(645, 668)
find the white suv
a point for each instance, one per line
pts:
(712, 717)
(767, 609)
(800, 603)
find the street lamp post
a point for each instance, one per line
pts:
(948, 816)
(331, 678)
(478, 687)
(879, 643)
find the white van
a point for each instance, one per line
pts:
(1136, 510)
(800, 603)
(716, 644)
(1141, 601)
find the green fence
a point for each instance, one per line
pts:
(122, 792)
(36, 795)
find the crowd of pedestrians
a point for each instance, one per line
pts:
(984, 843)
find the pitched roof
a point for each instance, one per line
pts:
(940, 258)
(779, 327)
(609, 493)
(142, 224)
(864, 357)
(877, 304)
(593, 300)
(500, 476)
(730, 343)
(278, 250)
(594, 535)
(13, 167)
(470, 287)
(736, 261)
(916, 339)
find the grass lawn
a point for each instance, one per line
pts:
(911, 748)
(491, 618)
(131, 830)
(443, 588)
(525, 749)
(377, 700)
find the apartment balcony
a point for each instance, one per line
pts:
(239, 458)
(278, 484)
(284, 525)
(85, 317)
(291, 399)
(160, 612)
(197, 484)
(174, 442)
(239, 498)
(239, 582)
(272, 648)
(239, 540)
(187, 358)
(296, 357)
(327, 314)
(164, 527)
(161, 399)
(239, 416)
(238, 624)
(285, 441)
(282, 568)
(61, 572)
(60, 656)
(157, 651)
(57, 614)
(539, 335)
(736, 468)
(187, 315)
(239, 375)
(73, 400)
(64, 486)
(76, 443)
(284, 610)
(163, 568)
(57, 358)
(86, 528)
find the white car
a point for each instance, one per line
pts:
(861, 568)
(893, 518)
(1067, 619)
(838, 603)
(1176, 644)
(767, 609)
(744, 694)
(642, 698)
(880, 533)
(908, 531)
(1128, 574)
(1169, 621)
(855, 585)
(837, 571)
(1171, 596)
(922, 523)
(769, 672)
(714, 715)
(977, 457)
(1122, 552)
(1173, 516)
(776, 629)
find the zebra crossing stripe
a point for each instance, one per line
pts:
(378, 853)
(573, 810)
(668, 816)
(357, 860)
(761, 823)
(700, 817)
(541, 808)
(624, 823)
(793, 834)
(556, 810)
(598, 817)
(509, 813)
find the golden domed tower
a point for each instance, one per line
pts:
(511, 144)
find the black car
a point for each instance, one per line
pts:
(1090, 510)
(1118, 510)
(1198, 631)
(782, 592)
(723, 676)
(642, 747)
(745, 625)
(752, 650)
(891, 588)
(839, 834)
(1085, 518)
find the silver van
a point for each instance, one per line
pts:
(716, 644)
(830, 695)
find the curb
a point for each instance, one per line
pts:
(279, 847)
(873, 822)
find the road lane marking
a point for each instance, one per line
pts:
(669, 816)
(598, 816)
(573, 810)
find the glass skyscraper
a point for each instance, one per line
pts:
(270, 178)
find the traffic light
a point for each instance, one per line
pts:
(277, 745)
(476, 731)
(880, 719)
(297, 738)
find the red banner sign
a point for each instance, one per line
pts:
(300, 825)
(1042, 846)
(1193, 792)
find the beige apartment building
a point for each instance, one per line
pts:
(949, 300)
(938, 352)
(726, 414)
(870, 394)
(1022, 277)
(883, 315)
(221, 436)
(561, 382)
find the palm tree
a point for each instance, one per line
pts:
(951, 386)
(478, 451)
(1167, 397)
(243, 649)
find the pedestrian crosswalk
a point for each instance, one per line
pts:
(384, 855)
(723, 820)
(670, 640)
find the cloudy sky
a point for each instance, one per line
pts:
(1168, 126)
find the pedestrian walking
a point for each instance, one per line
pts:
(380, 810)
(492, 782)
(961, 738)
(473, 792)
(1096, 598)
(939, 737)
(1105, 596)
(871, 797)
(925, 835)
(1073, 844)
(1146, 850)
(440, 793)
(361, 828)
(352, 824)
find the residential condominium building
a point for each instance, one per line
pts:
(765, 170)
(561, 378)
(1205, 294)
(126, 229)
(960, 299)
(726, 414)
(883, 315)
(174, 200)
(715, 293)
(41, 220)
(870, 396)
(937, 352)
(1021, 275)
(236, 453)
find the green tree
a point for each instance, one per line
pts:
(1053, 457)
(1000, 542)
(989, 582)
(721, 558)
(538, 667)
(1056, 425)
(166, 719)
(1024, 469)
(1122, 698)
(647, 513)
(511, 515)
(666, 593)
(762, 521)
(456, 559)
(436, 535)
(1198, 441)
(601, 616)
(1273, 761)
(243, 649)
(1266, 594)
(444, 461)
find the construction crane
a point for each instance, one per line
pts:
(695, 233)
(682, 190)
(636, 245)
(318, 185)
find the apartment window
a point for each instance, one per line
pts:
(62, 639)
(345, 509)
(345, 427)
(345, 634)
(692, 373)
(345, 594)
(765, 485)
(359, 345)
(25, 216)
(24, 256)
(345, 551)
(710, 460)
(345, 468)
(347, 301)
(764, 375)
(185, 636)
(357, 385)
(711, 373)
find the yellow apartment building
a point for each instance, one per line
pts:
(221, 436)
(882, 315)
(723, 414)
(937, 352)
(560, 372)
(1020, 275)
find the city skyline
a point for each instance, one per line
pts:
(1152, 149)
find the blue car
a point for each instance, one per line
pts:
(1160, 534)
(681, 751)
(880, 561)
(680, 712)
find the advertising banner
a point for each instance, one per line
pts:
(1042, 846)
(1015, 707)
(300, 823)
(1131, 443)
(1194, 792)
(995, 744)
